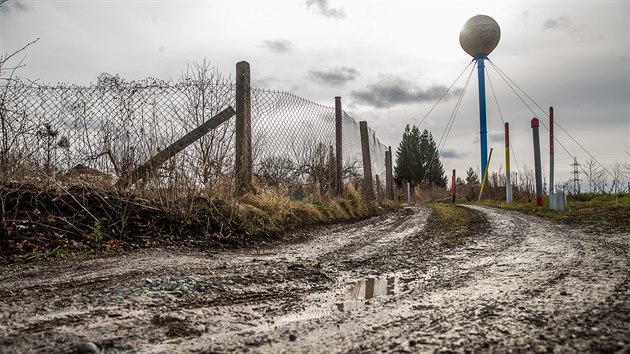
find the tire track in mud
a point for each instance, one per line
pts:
(114, 302)
(525, 286)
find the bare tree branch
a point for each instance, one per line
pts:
(5, 58)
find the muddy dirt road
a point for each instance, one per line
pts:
(516, 284)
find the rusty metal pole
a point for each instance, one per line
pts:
(537, 163)
(339, 144)
(368, 187)
(243, 149)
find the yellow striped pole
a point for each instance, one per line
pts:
(485, 175)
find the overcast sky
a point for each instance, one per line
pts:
(389, 60)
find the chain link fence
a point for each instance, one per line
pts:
(101, 133)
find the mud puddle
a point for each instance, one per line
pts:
(359, 292)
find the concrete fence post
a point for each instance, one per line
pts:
(537, 164)
(243, 149)
(338, 145)
(368, 186)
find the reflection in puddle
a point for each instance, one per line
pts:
(365, 290)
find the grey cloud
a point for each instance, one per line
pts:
(280, 46)
(324, 9)
(492, 136)
(392, 91)
(560, 23)
(452, 154)
(334, 76)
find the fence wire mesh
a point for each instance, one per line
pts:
(106, 130)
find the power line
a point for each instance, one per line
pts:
(557, 124)
(507, 81)
(445, 92)
(502, 120)
(451, 121)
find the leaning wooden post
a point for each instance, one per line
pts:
(243, 181)
(338, 144)
(368, 187)
(149, 167)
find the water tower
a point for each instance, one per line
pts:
(479, 36)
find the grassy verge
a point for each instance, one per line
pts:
(451, 224)
(273, 214)
(50, 223)
(591, 212)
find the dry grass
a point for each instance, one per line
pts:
(451, 224)
(39, 221)
(272, 213)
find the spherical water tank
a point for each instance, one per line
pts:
(480, 35)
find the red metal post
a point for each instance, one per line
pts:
(453, 187)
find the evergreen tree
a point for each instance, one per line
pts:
(418, 160)
(408, 159)
(472, 184)
(434, 170)
(471, 177)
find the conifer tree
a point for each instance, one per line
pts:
(434, 174)
(408, 159)
(418, 160)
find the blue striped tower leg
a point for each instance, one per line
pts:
(483, 130)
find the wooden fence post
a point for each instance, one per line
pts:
(243, 149)
(338, 145)
(389, 179)
(368, 187)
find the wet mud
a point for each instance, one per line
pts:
(513, 283)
